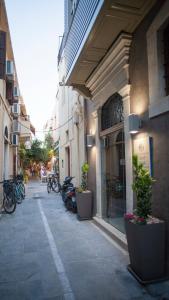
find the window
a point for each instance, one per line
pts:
(112, 111)
(2, 54)
(158, 62)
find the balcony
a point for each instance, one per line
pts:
(25, 127)
(94, 28)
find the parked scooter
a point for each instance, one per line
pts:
(70, 200)
(67, 184)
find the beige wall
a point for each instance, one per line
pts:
(70, 104)
(6, 150)
(71, 135)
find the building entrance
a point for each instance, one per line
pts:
(113, 162)
(114, 205)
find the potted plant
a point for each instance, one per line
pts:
(145, 233)
(84, 196)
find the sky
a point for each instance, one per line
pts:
(35, 27)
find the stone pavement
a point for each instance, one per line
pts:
(46, 253)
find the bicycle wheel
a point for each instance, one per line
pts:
(22, 190)
(18, 195)
(56, 186)
(48, 187)
(9, 203)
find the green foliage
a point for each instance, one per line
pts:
(49, 143)
(44, 157)
(142, 186)
(35, 153)
(39, 152)
(85, 169)
(22, 152)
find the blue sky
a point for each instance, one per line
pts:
(35, 28)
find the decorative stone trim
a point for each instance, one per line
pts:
(125, 93)
(112, 74)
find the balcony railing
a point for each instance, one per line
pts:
(84, 18)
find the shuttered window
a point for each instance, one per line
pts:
(166, 58)
(2, 54)
(9, 92)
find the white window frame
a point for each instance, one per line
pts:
(159, 102)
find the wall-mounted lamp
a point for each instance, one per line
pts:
(28, 145)
(61, 83)
(90, 140)
(134, 123)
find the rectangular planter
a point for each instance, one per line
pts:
(146, 246)
(84, 205)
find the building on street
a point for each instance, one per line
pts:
(119, 62)
(11, 104)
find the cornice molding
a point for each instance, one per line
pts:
(117, 55)
(112, 70)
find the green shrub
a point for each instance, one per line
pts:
(85, 169)
(142, 186)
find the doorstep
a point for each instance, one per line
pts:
(115, 234)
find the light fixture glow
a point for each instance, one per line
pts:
(134, 123)
(90, 140)
(134, 131)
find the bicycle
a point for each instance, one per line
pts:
(19, 189)
(53, 183)
(9, 201)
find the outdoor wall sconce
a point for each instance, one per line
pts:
(134, 123)
(61, 83)
(90, 140)
(28, 145)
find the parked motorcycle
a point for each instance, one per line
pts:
(67, 184)
(70, 200)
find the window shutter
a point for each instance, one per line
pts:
(2, 54)
(9, 92)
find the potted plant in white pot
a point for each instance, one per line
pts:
(145, 233)
(84, 196)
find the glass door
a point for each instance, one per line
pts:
(114, 176)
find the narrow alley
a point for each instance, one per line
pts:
(46, 253)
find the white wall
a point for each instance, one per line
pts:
(70, 134)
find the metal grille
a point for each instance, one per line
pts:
(166, 58)
(112, 112)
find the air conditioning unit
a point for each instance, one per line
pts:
(16, 128)
(9, 67)
(16, 109)
(15, 140)
(16, 91)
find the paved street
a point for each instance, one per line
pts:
(46, 253)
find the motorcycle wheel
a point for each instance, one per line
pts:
(63, 194)
(68, 204)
